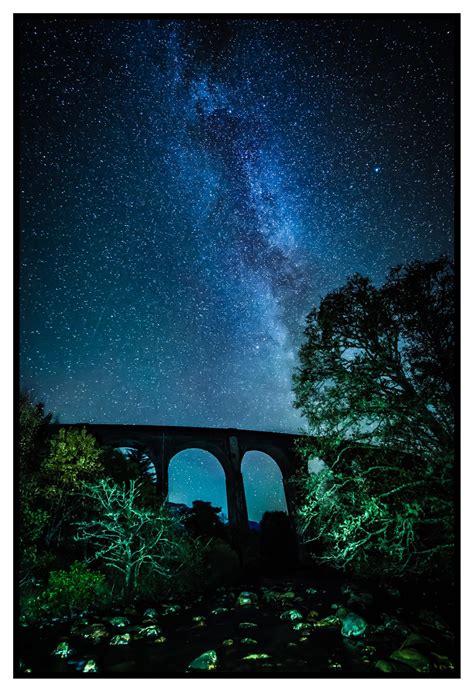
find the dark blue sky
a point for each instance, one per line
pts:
(190, 189)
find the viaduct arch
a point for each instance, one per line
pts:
(228, 445)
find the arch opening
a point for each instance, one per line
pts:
(127, 458)
(195, 474)
(263, 484)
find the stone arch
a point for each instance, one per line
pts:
(133, 443)
(218, 480)
(253, 482)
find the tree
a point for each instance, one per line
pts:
(134, 541)
(33, 427)
(74, 458)
(203, 520)
(376, 384)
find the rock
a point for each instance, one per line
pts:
(353, 625)
(292, 645)
(291, 615)
(255, 657)
(416, 640)
(247, 625)
(302, 627)
(159, 640)
(304, 638)
(148, 631)
(288, 596)
(171, 609)
(329, 621)
(79, 625)
(433, 620)
(206, 661)
(90, 666)
(368, 651)
(248, 640)
(199, 621)
(413, 658)
(119, 621)
(335, 665)
(391, 624)
(246, 599)
(312, 616)
(63, 650)
(120, 639)
(341, 613)
(130, 611)
(219, 611)
(384, 666)
(360, 599)
(442, 662)
(228, 642)
(150, 614)
(96, 632)
(271, 596)
(311, 591)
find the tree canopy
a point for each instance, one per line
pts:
(376, 384)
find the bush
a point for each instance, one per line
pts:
(67, 593)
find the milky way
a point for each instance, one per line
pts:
(190, 189)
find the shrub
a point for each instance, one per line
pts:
(67, 593)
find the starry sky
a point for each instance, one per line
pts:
(190, 188)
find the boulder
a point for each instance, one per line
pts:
(90, 666)
(246, 599)
(329, 621)
(63, 650)
(119, 621)
(206, 661)
(219, 611)
(413, 658)
(96, 632)
(120, 639)
(247, 625)
(199, 621)
(291, 615)
(353, 625)
(148, 631)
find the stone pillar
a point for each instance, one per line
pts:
(289, 497)
(161, 462)
(236, 503)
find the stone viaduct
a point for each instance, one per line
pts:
(228, 445)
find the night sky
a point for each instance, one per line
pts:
(191, 188)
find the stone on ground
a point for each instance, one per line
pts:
(353, 625)
(206, 661)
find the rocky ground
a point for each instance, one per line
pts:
(305, 627)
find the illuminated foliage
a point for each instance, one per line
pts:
(74, 458)
(376, 384)
(136, 543)
(67, 593)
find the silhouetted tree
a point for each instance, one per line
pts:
(33, 516)
(203, 520)
(376, 385)
(278, 545)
